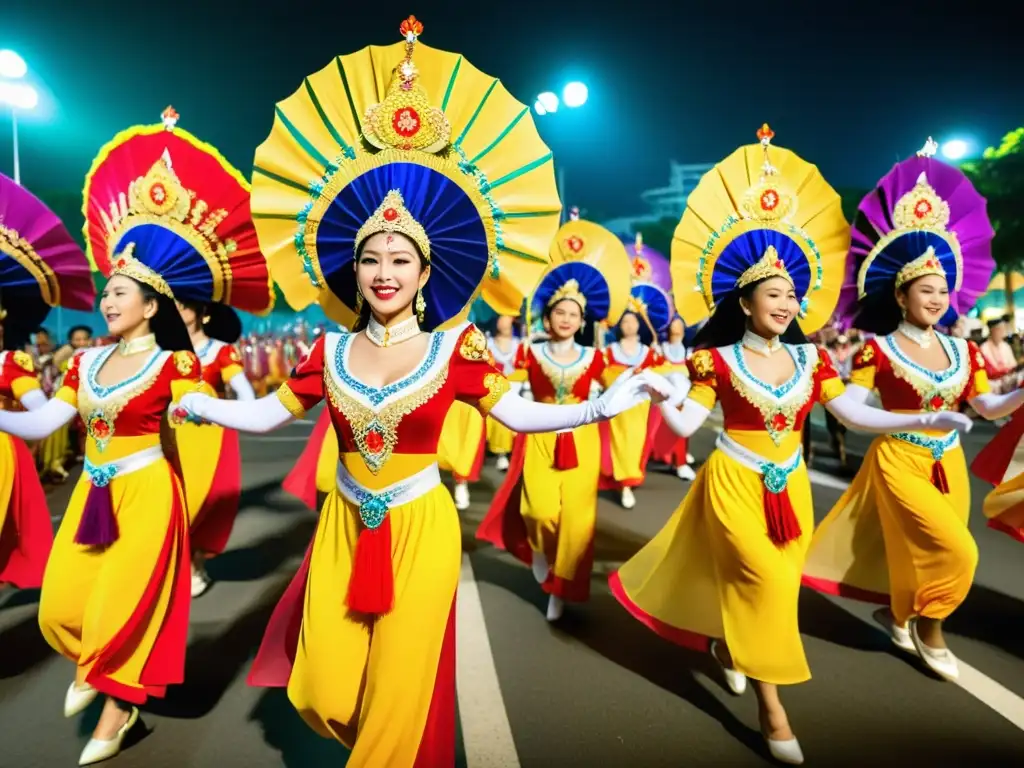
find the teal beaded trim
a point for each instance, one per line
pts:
(937, 445)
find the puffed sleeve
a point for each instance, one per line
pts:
(305, 387)
(471, 370)
(230, 363)
(701, 369)
(20, 371)
(865, 365)
(979, 376)
(186, 374)
(520, 364)
(828, 383)
(68, 391)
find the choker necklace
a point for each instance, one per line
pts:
(133, 347)
(396, 334)
(923, 338)
(759, 345)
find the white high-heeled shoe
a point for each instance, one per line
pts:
(941, 661)
(735, 681)
(78, 698)
(555, 608)
(201, 580)
(540, 567)
(461, 495)
(98, 750)
(787, 751)
(501, 464)
(628, 500)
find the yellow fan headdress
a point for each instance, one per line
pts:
(406, 123)
(787, 223)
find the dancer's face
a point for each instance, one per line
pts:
(389, 272)
(676, 330)
(925, 300)
(771, 307)
(565, 319)
(125, 308)
(629, 326)
(504, 325)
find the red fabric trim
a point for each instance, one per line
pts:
(437, 744)
(273, 664)
(503, 525)
(216, 518)
(576, 590)
(1013, 533)
(478, 462)
(994, 459)
(939, 477)
(838, 589)
(371, 586)
(301, 481)
(683, 637)
(607, 481)
(604, 429)
(27, 536)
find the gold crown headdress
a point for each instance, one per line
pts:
(126, 264)
(770, 265)
(405, 118)
(769, 200)
(160, 198)
(392, 216)
(925, 264)
(569, 290)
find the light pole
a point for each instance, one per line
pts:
(574, 95)
(16, 96)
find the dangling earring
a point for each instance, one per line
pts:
(421, 305)
(206, 319)
(359, 301)
(903, 311)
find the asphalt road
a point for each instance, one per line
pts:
(597, 689)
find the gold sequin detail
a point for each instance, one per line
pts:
(934, 396)
(703, 363)
(564, 379)
(376, 432)
(474, 345)
(95, 412)
(779, 418)
(865, 356)
(185, 362)
(497, 385)
(24, 360)
(290, 401)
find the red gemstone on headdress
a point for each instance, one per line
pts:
(778, 263)
(120, 263)
(922, 209)
(575, 244)
(390, 214)
(769, 200)
(157, 193)
(406, 122)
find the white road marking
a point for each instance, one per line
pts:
(486, 732)
(989, 692)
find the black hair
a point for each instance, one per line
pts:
(77, 328)
(23, 316)
(167, 325)
(364, 314)
(879, 311)
(997, 321)
(581, 335)
(728, 323)
(218, 321)
(41, 329)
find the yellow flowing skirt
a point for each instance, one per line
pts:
(628, 442)
(459, 446)
(1004, 507)
(211, 470)
(894, 537)
(499, 437)
(53, 450)
(713, 572)
(378, 679)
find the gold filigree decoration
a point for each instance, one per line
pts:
(770, 265)
(160, 198)
(703, 364)
(392, 216)
(406, 119)
(770, 199)
(569, 290)
(233, 355)
(375, 433)
(290, 401)
(24, 361)
(497, 385)
(126, 264)
(18, 248)
(100, 414)
(779, 417)
(921, 208)
(185, 362)
(925, 264)
(564, 378)
(935, 396)
(865, 356)
(473, 346)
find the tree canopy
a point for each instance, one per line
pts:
(999, 176)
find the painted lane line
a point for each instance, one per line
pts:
(486, 732)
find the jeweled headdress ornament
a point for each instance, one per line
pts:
(569, 290)
(923, 218)
(476, 182)
(654, 307)
(179, 214)
(788, 223)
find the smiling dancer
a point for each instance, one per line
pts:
(116, 595)
(921, 256)
(393, 237)
(727, 565)
(40, 267)
(546, 509)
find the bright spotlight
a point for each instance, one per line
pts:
(549, 101)
(18, 96)
(12, 66)
(575, 94)
(954, 149)
(539, 108)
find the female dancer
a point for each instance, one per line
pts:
(394, 240)
(504, 348)
(631, 434)
(545, 511)
(727, 565)
(668, 447)
(40, 267)
(899, 535)
(115, 596)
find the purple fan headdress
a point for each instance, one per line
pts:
(922, 206)
(649, 266)
(40, 265)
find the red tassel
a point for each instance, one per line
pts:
(371, 587)
(565, 451)
(783, 527)
(939, 477)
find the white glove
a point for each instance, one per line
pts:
(257, 416)
(626, 392)
(856, 415)
(660, 388)
(947, 421)
(242, 388)
(39, 422)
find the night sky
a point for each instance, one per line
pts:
(850, 88)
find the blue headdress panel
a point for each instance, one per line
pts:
(458, 240)
(172, 257)
(749, 248)
(591, 283)
(657, 307)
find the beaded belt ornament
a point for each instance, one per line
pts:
(937, 445)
